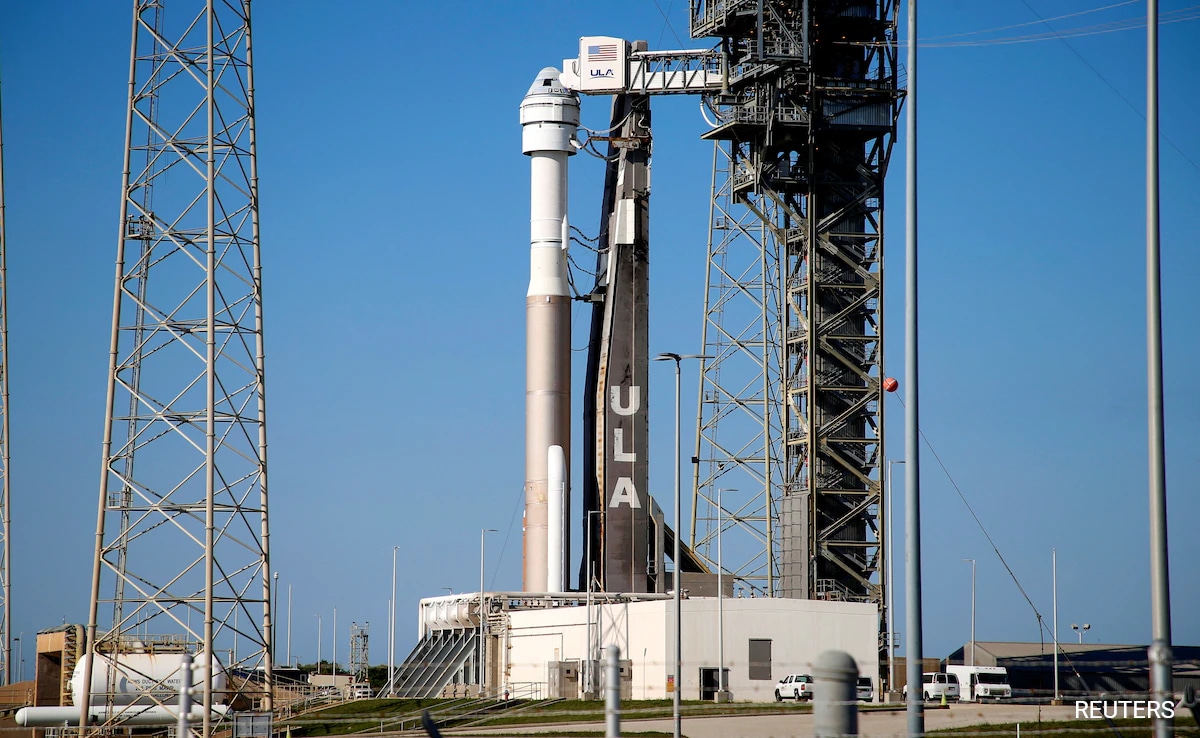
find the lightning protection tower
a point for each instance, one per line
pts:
(790, 419)
(182, 558)
(6, 665)
(360, 654)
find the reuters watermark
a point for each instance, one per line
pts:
(1124, 709)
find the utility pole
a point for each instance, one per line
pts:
(5, 548)
(1054, 587)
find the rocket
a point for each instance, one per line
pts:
(549, 123)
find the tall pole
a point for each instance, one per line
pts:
(677, 555)
(891, 598)
(319, 644)
(482, 615)
(1160, 588)
(589, 675)
(289, 629)
(334, 669)
(391, 680)
(972, 610)
(274, 616)
(912, 439)
(1054, 587)
(676, 711)
(722, 687)
(5, 518)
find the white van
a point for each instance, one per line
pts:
(935, 685)
(979, 683)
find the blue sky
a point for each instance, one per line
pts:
(395, 229)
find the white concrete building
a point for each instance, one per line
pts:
(764, 640)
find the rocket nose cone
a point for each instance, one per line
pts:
(548, 82)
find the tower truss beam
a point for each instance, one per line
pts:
(182, 544)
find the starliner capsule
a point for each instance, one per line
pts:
(549, 124)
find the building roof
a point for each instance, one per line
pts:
(990, 653)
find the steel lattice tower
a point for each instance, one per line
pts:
(5, 582)
(791, 405)
(182, 555)
(360, 654)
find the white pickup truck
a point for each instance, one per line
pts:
(935, 685)
(978, 683)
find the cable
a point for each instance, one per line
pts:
(667, 24)
(1031, 23)
(1042, 628)
(1103, 79)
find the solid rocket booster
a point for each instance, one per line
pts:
(556, 475)
(549, 122)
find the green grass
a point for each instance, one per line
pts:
(366, 715)
(1185, 727)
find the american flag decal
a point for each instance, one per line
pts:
(602, 53)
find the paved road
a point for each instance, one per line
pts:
(876, 724)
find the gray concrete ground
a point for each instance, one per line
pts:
(876, 724)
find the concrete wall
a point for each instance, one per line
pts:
(799, 630)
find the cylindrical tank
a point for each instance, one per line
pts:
(450, 615)
(141, 678)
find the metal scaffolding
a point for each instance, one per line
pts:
(182, 554)
(790, 415)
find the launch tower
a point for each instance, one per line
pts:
(790, 407)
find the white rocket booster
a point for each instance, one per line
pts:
(549, 123)
(556, 475)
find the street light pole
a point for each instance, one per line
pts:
(1054, 587)
(891, 611)
(274, 619)
(391, 680)
(1086, 627)
(482, 616)
(318, 644)
(972, 610)
(678, 720)
(722, 687)
(589, 677)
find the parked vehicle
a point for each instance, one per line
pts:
(794, 687)
(935, 685)
(978, 683)
(864, 689)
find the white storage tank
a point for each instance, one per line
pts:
(142, 678)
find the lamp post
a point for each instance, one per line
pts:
(482, 616)
(1054, 589)
(318, 616)
(722, 687)
(677, 358)
(589, 676)
(274, 617)
(972, 609)
(20, 658)
(891, 612)
(391, 680)
(1086, 627)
